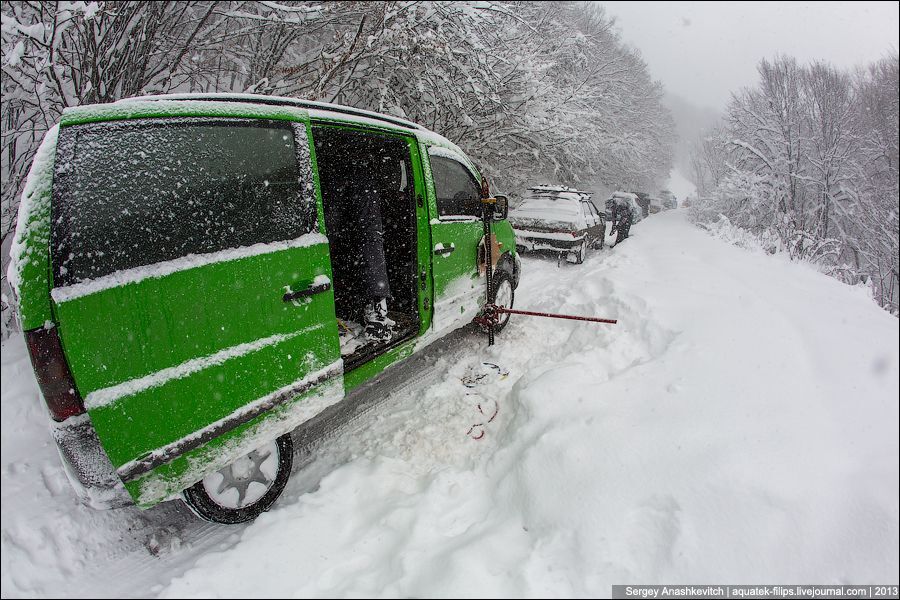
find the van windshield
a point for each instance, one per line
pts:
(139, 193)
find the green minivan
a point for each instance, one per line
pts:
(189, 282)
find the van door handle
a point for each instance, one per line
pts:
(443, 250)
(316, 288)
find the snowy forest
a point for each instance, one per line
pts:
(807, 160)
(528, 89)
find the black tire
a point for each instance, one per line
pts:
(580, 252)
(502, 278)
(204, 506)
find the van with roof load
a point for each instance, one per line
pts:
(199, 275)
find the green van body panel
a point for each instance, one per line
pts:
(423, 231)
(459, 291)
(368, 370)
(506, 237)
(185, 469)
(130, 333)
(181, 373)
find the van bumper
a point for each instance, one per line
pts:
(535, 242)
(89, 470)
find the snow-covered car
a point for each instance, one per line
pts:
(643, 200)
(656, 205)
(186, 312)
(625, 199)
(558, 219)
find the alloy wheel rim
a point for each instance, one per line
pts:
(246, 480)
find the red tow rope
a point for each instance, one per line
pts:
(492, 312)
(477, 431)
(511, 311)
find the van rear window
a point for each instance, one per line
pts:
(129, 194)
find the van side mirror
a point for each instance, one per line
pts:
(501, 207)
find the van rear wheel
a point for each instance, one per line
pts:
(246, 488)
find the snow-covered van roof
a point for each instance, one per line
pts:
(310, 105)
(228, 104)
(317, 110)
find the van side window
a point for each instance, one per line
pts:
(130, 194)
(458, 194)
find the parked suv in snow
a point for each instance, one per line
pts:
(558, 219)
(192, 282)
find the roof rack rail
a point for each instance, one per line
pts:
(283, 101)
(558, 188)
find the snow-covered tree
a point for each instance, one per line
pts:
(810, 156)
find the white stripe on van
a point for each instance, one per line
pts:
(191, 261)
(108, 395)
(327, 393)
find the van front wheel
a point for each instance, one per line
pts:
(504, 296)
(246, 488)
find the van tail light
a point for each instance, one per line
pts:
(53, 374)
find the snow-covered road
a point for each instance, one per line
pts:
(739, 425)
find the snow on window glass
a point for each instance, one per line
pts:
(458, 194)
(138, 193)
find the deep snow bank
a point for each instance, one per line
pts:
(739, 425)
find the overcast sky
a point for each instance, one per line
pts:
(703, 50)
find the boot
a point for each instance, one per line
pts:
(379, 328)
